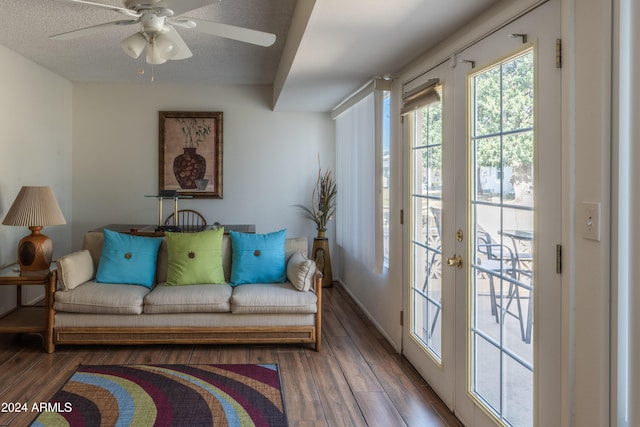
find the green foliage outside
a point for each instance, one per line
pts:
(504, 118)
(432, 134)
(503, 121)
(505, 108)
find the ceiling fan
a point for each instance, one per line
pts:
(157, 19)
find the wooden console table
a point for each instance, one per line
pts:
(35, 319)
(150, 229)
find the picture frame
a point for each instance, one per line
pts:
(190, 160)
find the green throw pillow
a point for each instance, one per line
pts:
(195, 258)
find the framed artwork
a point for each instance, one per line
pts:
(191, 153)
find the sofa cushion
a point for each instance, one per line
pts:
(75, 269)
(204, 298)
(300, 271)
(296, 244)
(272, 298)
(101, 298)
(128, 259)
(258, 258)
(183, 320)
(195, 258)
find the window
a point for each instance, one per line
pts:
(425, 180)
(362, 174)
(386, 174)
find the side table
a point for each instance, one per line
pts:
(34, 319)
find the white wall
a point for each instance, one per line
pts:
(35, 118)
(587, 99)
(270, 159)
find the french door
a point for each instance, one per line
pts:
(430, 164)
(483, 292)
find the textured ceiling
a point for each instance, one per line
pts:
(324, 50)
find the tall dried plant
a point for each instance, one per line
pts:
(323, 200)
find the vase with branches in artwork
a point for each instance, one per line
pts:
(190, 166)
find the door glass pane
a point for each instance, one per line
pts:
(502, 259)
(426, 243)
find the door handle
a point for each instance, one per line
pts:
(455, 261)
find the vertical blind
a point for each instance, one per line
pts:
(356, 178)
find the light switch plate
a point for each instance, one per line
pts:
(590, 220)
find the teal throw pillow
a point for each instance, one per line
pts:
(128, 259)
(195, 258)
(258, 258)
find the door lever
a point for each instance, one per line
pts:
(455, 261)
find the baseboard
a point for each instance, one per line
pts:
(395, 346)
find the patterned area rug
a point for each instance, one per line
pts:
(168, 395)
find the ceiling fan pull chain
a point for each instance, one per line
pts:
(141, 68)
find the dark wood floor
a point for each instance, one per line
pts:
(356, 380)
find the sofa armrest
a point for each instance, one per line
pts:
(74, 269)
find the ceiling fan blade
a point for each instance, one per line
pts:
(246, 35)
(90, 30)
(122, 10)
(183, 49)
(182, 6)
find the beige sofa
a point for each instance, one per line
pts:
(99, 313)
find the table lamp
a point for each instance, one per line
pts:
(35, 207)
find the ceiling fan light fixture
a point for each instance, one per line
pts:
(165, 46)
(134, 45)
(154, 56)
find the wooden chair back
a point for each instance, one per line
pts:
(188, 220)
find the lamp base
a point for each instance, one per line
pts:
(35, 251)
